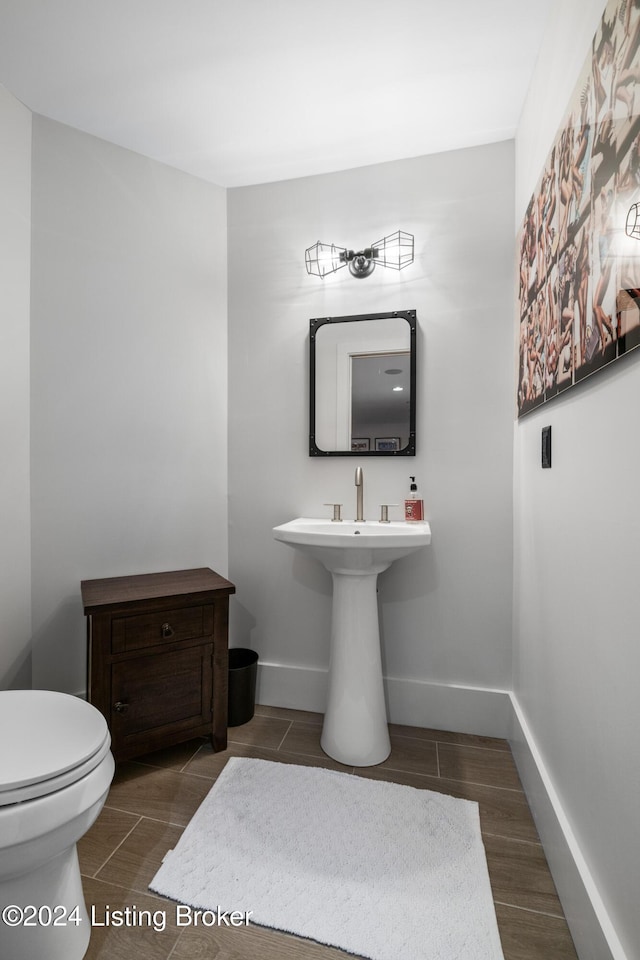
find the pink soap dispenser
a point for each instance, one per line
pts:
(413, 505)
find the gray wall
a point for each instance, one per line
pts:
(15, 232)
(128, 365)
(577, 528)
(446, 612)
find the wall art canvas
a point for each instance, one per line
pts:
(578, 278)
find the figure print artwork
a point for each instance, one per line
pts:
(578, 281)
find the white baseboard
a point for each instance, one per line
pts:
(416, 703)
(593, 933)
(298, 688)
(449, 706)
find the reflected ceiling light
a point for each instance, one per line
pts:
(632, 228)
(394, 251)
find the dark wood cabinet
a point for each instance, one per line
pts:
(158, 657)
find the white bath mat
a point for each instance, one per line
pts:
(378, 869)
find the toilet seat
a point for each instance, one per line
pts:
(50, 740)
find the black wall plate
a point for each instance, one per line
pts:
(546, 447)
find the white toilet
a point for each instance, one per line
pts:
(55, 772)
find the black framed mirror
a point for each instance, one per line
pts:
(362, 385)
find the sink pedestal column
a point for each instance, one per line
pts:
(355, 728)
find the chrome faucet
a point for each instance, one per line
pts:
(359, 495)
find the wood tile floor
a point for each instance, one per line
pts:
(153, 798)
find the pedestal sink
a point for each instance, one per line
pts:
(355, 723)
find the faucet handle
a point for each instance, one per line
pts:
(336, 518)
(384, 511)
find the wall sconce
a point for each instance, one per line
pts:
(394, 251)
(632, 228)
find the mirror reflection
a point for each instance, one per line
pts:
(362, 378)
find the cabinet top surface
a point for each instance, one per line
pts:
(98, 594)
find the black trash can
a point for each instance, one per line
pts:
(243, 669)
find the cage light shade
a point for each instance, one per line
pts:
(395, 251)
(324, 258)
(632, 228)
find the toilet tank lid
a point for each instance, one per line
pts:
(44, 733)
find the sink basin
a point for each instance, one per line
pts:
(352, 547)
(355, 730)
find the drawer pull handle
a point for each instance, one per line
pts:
(167, 631)
(121, 706)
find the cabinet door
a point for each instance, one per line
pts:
(157, 698)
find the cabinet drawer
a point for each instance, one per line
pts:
(161, 627)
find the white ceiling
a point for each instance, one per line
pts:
(250, 91)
